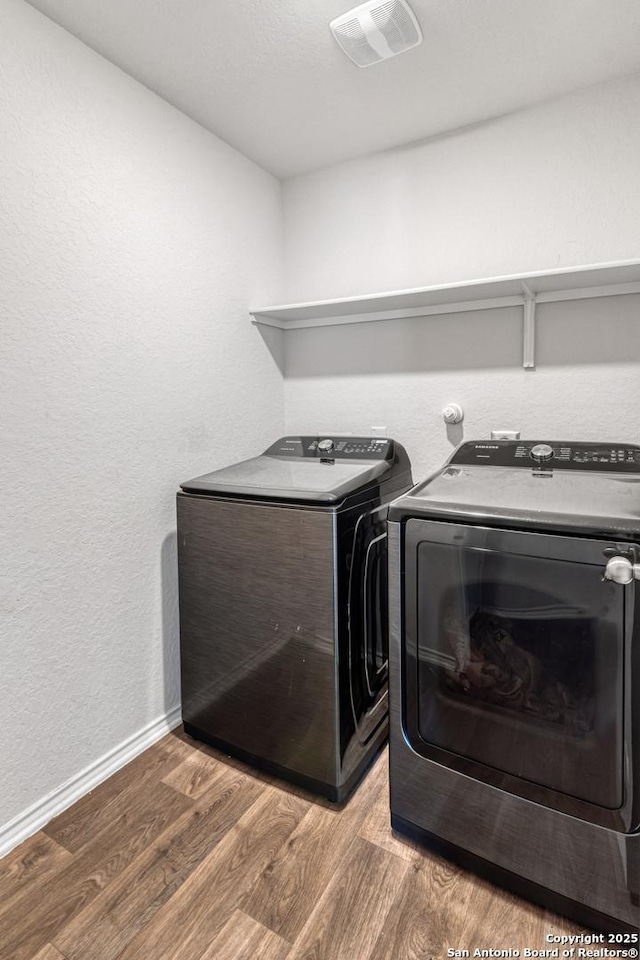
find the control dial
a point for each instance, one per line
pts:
(542, 452)
(325, 446)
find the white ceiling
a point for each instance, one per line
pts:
(267, 76)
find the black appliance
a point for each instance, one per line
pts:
(283, 606)
(515, 670)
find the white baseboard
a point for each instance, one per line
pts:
(38, 815)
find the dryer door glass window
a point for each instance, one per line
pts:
(519, 656)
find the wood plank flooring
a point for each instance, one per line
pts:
(186, 854)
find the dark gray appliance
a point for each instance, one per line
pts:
(515, 671)
(283, 606)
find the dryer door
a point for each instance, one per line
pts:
(368, 622)
(515, 663)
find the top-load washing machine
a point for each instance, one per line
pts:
(283, 606)
(515, 671)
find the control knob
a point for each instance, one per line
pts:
(325, 446)
(542, 452)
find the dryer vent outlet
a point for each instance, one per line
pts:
(376, 30)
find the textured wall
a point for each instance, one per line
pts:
(401, 373)
(548, 187)
(131, 242)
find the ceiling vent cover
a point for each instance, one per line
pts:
(376, 30)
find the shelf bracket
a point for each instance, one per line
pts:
(528, 328)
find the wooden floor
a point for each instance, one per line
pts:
(187, 855)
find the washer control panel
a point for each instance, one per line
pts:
(333, 448)
(550, 455)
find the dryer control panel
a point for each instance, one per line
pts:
(333, 448)
(550, 455)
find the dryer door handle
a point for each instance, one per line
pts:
(621, 570)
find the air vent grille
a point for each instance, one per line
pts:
(376, 30)
(394, 22)
(353, 41)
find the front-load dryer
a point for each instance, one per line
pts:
(515, 671)
(283, 606)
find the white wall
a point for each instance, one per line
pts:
(131, 242)
(544, 188)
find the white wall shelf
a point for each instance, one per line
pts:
(524, 290)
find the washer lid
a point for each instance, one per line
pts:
(581, 489)
(501, 490)
(281, 478)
